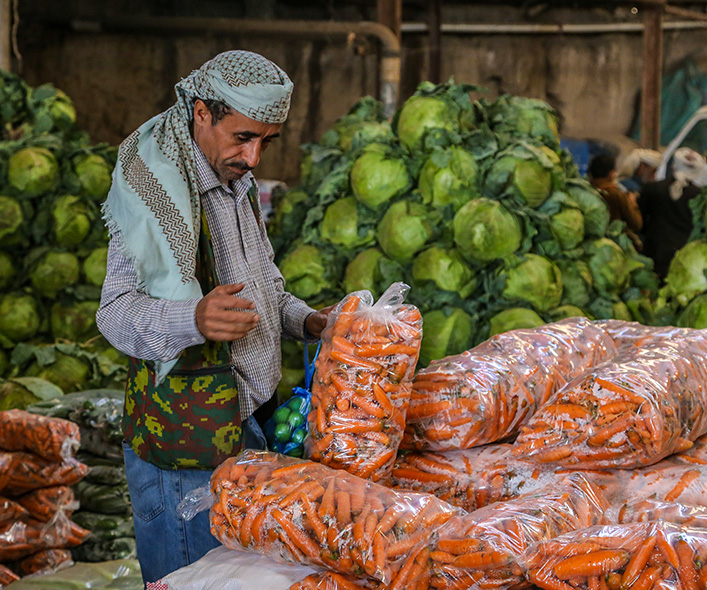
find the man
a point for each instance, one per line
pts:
(622, 205)
(666, 208)
(638, 169)
(193, 296)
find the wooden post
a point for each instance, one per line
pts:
(434, 40)
(652, 74)
(390, 14)
(5, 34)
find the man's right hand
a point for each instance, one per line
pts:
(223, 317)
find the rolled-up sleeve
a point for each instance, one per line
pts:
(137, 324)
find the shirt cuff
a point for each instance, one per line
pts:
(181, 323)
(295, 318)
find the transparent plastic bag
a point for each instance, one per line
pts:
(651, 555)
(631, 335)
(362, 383)
(45, 562)
(695, 455)
(651, 509)
(124, 574)
(45, 503)
(23, 472)
(10, 510)
(7, 576)
(27, 535)
(286, 430)
(334, 581)
(481, 549)
(53, 439)
(487, 393)
(298, 511)
(470, 478)
(643, 405)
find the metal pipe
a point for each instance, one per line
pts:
(683, 13)
(390, 45)
(579, 29)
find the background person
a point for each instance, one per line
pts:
(638, 169)
(193, 296)
(666, 208)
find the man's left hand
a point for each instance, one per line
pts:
(317, 321)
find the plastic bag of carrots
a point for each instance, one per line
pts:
(7, 576)
(46, 504)
(362, 383)
(335, 581)
(27, 536)
(45, 562)
(23, 472)
(695, 455)
(645, 556)
(295, 510)
(487, 393)
(10, 510)
(53, 439)
(470, 478)
(645, 404)
(481, 549)
(631, 335)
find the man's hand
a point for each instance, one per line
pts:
(223, 317)
(317, 321)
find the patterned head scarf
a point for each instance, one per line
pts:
(154, 201)
(687, 166)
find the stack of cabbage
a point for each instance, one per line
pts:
(53, 243)
(684, 295)
(472, 203)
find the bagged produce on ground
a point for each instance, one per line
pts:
(334, 581)
(27, 536)
(643, 405)
(305, 512)
(7, 576)
(10, 510)
(25, 472)
(650, 555)
(487, 393)
(45, 561)
(50, 438)
(362, 383)
(481, 549)
(46, 504)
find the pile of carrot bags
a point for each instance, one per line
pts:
(565, 457)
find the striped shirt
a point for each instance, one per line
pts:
(158, 329)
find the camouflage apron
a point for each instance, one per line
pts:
(192, 419)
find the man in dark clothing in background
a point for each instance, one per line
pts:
(622, 204)
(665, 206)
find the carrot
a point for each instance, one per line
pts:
(682, 485)
(483, 559)
(637, 563)
(686, 571)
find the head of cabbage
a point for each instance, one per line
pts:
(94, 266)
(305, 272)
(20, 392)
(363, 273)
(33, 171)
(514, 318)
(377, 177)
(611, 268)
(536, 280)
(695, 314)
(525, 117)
(7, 270)
(54, 271)
(446, 268)
(449, 177)
(484, 230)
(404, 230)
(19, 317)
(524, 172)
(72, 220)
(567, 227)
(687, 274)
(94, 174)
(576, 282)
(11, 221)
(422, 113)
(446, 332)
(594, 209)
(76, 322)
(340, 225)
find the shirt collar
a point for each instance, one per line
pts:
(206, 178)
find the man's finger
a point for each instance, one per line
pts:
(231, 288)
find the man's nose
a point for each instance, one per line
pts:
(252, 153)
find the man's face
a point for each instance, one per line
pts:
(234, 145)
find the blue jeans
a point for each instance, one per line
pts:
(165, 542)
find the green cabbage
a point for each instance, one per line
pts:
(449, 177)
(687, 275)
(566, 311)
(76, 322)
(576, 282)
(20, 392)
(484, 231)
(404, 230)
(535, 280)
(446, 269)
(94, 175)
(67, 372)
(94, 267)
(695, 314)
(33, 171)
(7, 270)
(446, 332)
(340, 225)
(55, 271)
(525, 117)
(520, 173)
(514, 319)
(593, 207)
(19, 317)
(304, 272)
(71, 219)
(611, 268)
(419, 114)
(568, 228)
(377, 178)
(11, 220)
(363, 272)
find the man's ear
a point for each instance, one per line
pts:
(202, 115)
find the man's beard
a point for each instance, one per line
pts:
(233, 170)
